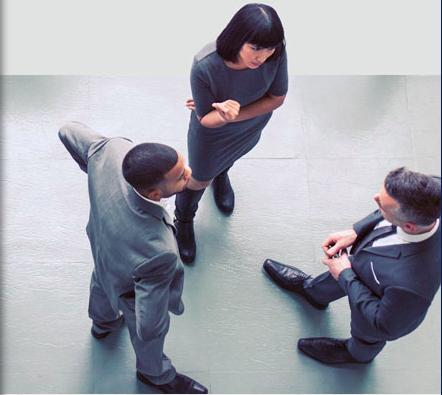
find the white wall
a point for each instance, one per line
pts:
(161, 37)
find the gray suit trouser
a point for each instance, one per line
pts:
(151, 361)
(325, 289)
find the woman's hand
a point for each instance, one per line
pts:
(228, 110)
(190, 104)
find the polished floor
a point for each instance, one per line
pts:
(322, 157)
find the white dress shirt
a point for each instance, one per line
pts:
(400, 237)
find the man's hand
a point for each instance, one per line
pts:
(337, 241)
(228, 110)
(337, 265)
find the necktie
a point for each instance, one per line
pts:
(373, 235)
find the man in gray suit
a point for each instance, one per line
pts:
(390, 277)
(138, 276)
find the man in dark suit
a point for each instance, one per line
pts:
(390, 277)
(138, 275)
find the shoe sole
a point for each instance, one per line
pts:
(145, 380)
(187, 260)
(333, 363)
(99, 336)
(226, 212)
(330, 363)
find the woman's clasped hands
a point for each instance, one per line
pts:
(228, 110)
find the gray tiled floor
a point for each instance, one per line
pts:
(320, 160)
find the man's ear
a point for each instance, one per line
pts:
(409, 227)
(155, 194)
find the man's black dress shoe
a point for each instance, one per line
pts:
(291, 279)
(327, 350)
(181, 384)
(99, 336)
(223, 193)
(186, 240)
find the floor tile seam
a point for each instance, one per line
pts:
(257, 371)
(58, 262)
(273, 158)
(49, 372)
(133, 373)
(311, 221)
(338, 158)
(307, 158)
(410, 127)
(185, 371)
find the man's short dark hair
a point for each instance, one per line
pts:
(418, 195)
(255, 23)
(145, 165)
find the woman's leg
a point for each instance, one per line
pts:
(186, 204)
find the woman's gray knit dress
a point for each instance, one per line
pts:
(213, 150)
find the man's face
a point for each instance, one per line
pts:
(387, 205)
(176, 179)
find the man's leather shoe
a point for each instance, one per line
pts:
(291, 279)
(181, 384)
(99, 336)
(223, 193)
(186, 240)
(327, 350)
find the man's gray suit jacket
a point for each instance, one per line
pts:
(132, 240)
(390, 288)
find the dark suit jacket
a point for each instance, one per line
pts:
(391, 287)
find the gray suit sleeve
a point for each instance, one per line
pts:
(398, 312)
(152, 289)
(79, 140)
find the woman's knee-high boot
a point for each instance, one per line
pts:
(186, 204)
(223, 193)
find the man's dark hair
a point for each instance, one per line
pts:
(257, 24)
(418, 195)
(145, 165)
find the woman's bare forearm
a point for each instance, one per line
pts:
(261, 106)
(212, 120)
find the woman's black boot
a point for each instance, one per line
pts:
(223, 193)
(186, 204)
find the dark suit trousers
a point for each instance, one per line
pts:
(325, 289)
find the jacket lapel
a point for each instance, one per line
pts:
(149, 208)
(168, 220)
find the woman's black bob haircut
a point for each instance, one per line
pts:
(256, 24)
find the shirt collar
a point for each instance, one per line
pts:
(164, 203)
(417, 238)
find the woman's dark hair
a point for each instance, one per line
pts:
(257, 24)
(145, 165)
(418, 195)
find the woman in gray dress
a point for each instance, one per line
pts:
(236, 84)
